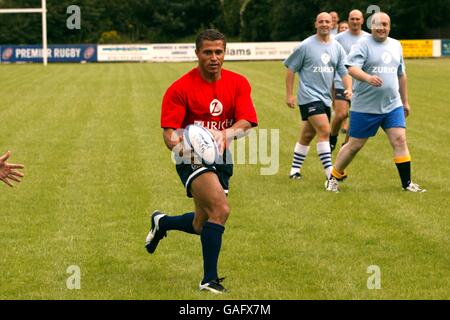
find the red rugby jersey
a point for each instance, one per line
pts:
(217, 105)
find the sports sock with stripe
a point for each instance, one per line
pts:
(300, 153)
(324, 152)
(338, 175)
(403, 164)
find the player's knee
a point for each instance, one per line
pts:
(224, 211)
(341, 115)
(217, 212)
(399, 141)
(306, 138)
(324, 134)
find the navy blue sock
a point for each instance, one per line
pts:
(182, 223)
(211, 238)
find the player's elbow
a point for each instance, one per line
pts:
(352, 71)
(290, 74)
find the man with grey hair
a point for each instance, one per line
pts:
(380, 100)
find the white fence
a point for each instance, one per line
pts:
(173, 52)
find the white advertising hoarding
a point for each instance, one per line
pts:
(124, 52)
(175, 52)
(235, 51)
(259, 50)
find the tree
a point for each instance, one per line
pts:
(293, 20)
(231, 17)
(251, 20)
(167, 21)
(256, 20)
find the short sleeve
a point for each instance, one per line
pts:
(245, 109)
(173, 108)
(296, 58)
(402, 67)
(342, 61)
(357, 55)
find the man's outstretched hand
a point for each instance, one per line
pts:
(8, 172)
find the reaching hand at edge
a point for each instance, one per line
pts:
(8, 172)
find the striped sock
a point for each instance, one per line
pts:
(300, 153)
(324, 152)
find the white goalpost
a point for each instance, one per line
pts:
(43, 11)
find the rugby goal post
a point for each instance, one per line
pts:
(43, 11)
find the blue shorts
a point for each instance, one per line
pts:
(365, 125)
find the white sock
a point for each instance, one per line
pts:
(324, 152)
(300, 153)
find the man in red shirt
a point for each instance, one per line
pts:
(220, 101)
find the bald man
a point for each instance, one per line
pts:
(316, 60)
(341, 105)
(380, 100)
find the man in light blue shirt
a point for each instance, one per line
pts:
(380, 100)
(341, 105)
(316, 60)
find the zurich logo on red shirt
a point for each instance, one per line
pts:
(216, 108)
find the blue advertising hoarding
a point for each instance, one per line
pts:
(56, 53)
(445, 47)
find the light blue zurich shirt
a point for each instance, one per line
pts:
(316, 63)
(347, 41)
(385, 60)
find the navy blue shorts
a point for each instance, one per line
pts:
(365, 125)
(313, 108)
(339, 95)
(188, 173)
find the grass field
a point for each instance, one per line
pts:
(96, 166)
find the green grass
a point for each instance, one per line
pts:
(96, 165)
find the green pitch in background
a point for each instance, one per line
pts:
(96, 166)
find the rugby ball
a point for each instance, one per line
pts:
(202, 142)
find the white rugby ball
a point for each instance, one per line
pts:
(202, 142)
